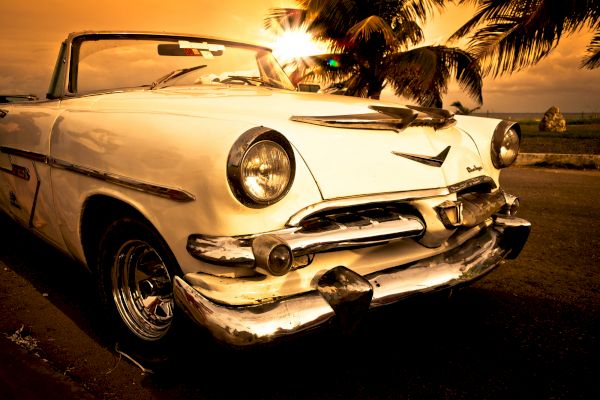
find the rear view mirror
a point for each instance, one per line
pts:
(309, 87)
(185, 48)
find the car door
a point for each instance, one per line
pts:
(24, 171)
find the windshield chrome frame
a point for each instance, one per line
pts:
(64, 80)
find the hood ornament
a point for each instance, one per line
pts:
(435, 161)
(385, 118)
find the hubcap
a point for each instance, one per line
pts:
(142, 290)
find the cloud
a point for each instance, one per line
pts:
(30, 36)
(556, 80)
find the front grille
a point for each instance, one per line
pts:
(351, 217)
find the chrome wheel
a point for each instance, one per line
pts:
(142, 290)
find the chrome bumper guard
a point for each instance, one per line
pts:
(346, 295)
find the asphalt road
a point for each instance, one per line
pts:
(529, 330)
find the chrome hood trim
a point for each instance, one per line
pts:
(385, 118)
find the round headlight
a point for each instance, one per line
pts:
(505, 144)
(265, 171)
(509, 150)
(260, 167)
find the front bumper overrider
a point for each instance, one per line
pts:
(346, 295)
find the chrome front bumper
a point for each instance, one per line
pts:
(343, 294)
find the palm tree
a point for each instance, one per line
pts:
(463, 110)
(510, 35)
(372, 44)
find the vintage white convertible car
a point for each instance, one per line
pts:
(187, 172)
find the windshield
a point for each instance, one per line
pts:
(117, 63)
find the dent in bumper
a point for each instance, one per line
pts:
(248, 325)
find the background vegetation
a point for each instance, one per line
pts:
(582, 137)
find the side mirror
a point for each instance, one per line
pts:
(309, 87)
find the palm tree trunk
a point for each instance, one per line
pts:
(376, 86)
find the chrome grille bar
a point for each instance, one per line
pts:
(318, 234)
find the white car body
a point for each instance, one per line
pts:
(164, 153)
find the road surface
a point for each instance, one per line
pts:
(528, 330)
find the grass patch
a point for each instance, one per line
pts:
(566, 165)
(582, 137)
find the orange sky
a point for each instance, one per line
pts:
(31, 31)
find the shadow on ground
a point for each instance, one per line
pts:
(529, 330)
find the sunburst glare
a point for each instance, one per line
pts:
(296, 44)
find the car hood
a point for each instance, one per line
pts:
(344, 162)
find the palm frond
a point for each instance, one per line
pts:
(282, 19)
(368, 26)
(370, 39)
(509, 47)
(423, 74)
(592, 58)
(418, 10)
(329, 68)
(489, 10)
(509, 35)
(463, 110)
(408, 33)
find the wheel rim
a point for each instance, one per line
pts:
(142, 290)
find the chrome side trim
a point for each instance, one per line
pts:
(161, 191)
(174, 194)
(35, 196)
(30, 155)
(238, 250)
(343, 202)
(481, 251)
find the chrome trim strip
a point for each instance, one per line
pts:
(30, 155)
(478, 180)
(435, 161)
(174, 194)
(385, 118)
(226, 250)
(35, 196)
(408, 195)
(477, 252)
(344, 202)
(161, 191)
(358, 121)
(303, 243)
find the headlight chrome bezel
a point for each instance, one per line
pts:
(236, 158)
(501, 133)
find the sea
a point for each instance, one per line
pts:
(520, 116)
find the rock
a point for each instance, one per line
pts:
(553, 121)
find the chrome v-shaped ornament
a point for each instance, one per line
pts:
(436, 161)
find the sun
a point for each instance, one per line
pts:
(296, 44)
